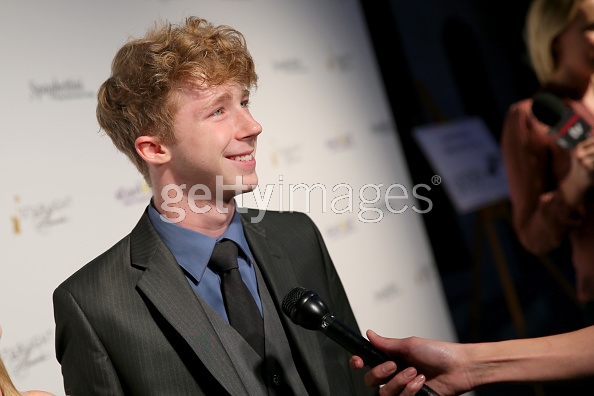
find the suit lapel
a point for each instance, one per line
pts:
(277, 270)
(165, 285)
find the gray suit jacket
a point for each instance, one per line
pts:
(128, 323)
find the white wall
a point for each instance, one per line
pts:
(67, 194)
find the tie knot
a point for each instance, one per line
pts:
(224, 256)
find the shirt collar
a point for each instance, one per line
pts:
(192, 249)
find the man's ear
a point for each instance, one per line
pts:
(152, 150)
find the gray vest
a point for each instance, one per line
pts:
(277, 374)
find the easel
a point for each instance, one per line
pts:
(453, 164)
(485, 225)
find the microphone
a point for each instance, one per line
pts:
(306, 309)
(567, 128)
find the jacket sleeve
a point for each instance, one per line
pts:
(86, 367)
(541, 217)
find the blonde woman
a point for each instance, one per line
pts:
(552, 198)
(551, 187)
(7, 388)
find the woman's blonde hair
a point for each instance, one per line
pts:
(6, 386)
(545, 21)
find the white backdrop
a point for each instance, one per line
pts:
(67, 194)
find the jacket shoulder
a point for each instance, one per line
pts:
(95, 270)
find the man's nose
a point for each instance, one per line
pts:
(250, 128)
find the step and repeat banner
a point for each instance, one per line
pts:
(329, 148)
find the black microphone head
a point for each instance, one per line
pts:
(305, 308)
(548, 108)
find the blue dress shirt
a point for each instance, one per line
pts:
(192, 250)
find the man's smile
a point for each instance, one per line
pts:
(246, 157)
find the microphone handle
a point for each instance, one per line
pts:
(360, 346)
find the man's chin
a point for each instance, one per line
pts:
(248, 183)
(250, 187)
(240, 191)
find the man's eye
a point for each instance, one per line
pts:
(218, 112)
(245, 103)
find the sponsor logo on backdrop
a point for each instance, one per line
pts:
(341, 142)
(375, 200)
(382, 127)
(388, 292)
(340, 63)
(340, 229)
(68, 89)
(139, 193)
(23, 356)
(285, 155)
(289, 65)
(41, 216)
(424, 274)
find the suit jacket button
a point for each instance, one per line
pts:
(275, 380)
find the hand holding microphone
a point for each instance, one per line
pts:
(571, 132)
(306, 309)
(567, 128)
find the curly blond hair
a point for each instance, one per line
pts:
(545, 21)
(137, 98)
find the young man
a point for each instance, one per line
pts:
(148, 316)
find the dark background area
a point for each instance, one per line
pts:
(441, 60)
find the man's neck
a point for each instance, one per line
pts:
(210, 218)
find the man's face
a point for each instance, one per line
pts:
(216, 136)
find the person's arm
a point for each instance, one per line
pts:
(453, 368)
(86, 366)
(543, 211)
(581, 174)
